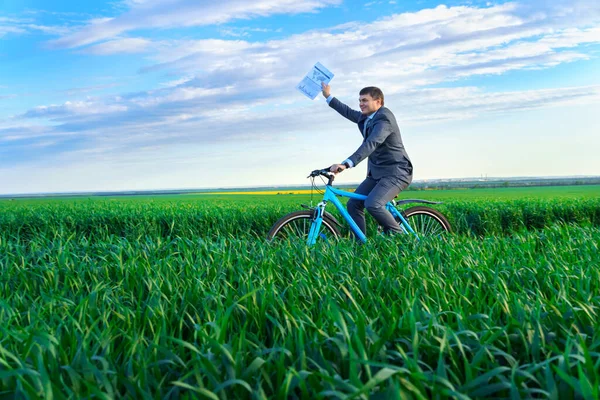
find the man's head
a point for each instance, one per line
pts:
(370, 100)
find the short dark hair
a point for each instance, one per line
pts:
(374, 92)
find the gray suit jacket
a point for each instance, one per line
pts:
(382, 143)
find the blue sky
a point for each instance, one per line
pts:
(166, 94)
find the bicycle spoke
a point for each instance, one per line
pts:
(296, 228)
(430, 225)
(426, 224)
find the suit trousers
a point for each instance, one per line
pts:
(378, 193)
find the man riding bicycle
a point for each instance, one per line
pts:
(389, 169)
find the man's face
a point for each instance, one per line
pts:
(367, 105)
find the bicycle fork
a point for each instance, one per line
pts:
(315, 227)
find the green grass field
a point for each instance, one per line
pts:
(182, 297)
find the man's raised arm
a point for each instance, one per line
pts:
(338, 106)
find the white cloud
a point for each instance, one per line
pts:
(20, 26)
(50, 30)
(402, 51)
(237, 31)
(436, 104)
(87, 89)
(177, 82)
(124, 45)
(184, 13)
(236, 80)
(75, 109)
(6, 29)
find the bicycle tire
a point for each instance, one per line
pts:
(426, 221)
(279, 231)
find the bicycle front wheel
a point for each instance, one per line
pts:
(296, 227)
(426, 221)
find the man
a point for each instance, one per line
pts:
(389, 170)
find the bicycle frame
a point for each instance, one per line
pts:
(330, 196)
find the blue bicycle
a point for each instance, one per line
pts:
(315, 223)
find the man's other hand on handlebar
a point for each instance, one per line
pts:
(336, 168)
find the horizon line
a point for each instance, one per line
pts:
(141, 191)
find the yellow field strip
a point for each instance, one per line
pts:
(265, 192)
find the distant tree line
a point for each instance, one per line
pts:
(490, 184)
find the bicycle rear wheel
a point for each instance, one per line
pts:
(295, 226)
(426, 222)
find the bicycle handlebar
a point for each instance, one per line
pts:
(324, 172)
(320, 172)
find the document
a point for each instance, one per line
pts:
(311, 84)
